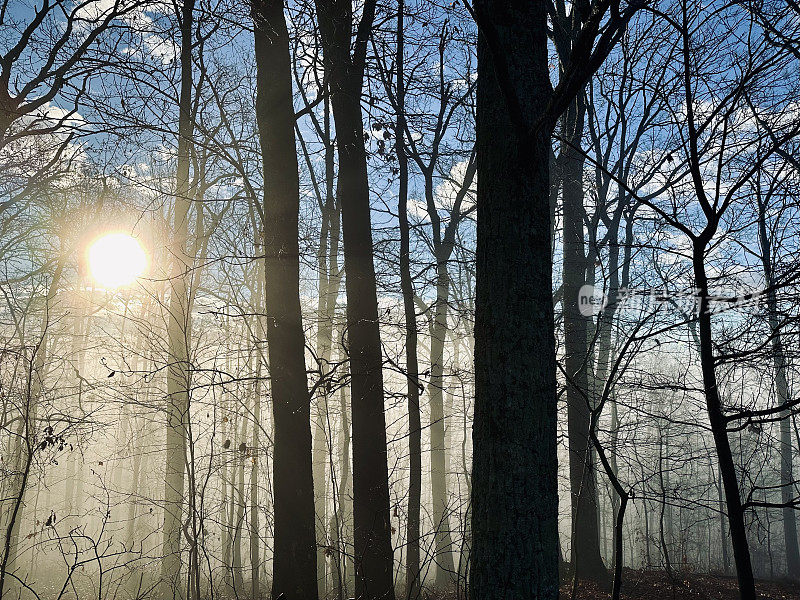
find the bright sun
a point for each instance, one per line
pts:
(116, 259)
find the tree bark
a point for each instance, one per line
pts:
(741, 549)
(372, 536)
(413, 573)
(178, 328)
(782, 388)
(330, 276)
(443, 543)
(294, 568)
(583, 484)
(514, 493)
(255, 540)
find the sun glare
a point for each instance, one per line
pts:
(116, 259)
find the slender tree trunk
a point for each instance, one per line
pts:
(23, 443)
(741, 549)
(178, 330)
(329, 283)
(789, 517)
(255, 556)
(663, 522)
(345, 500)
(782, 388)
(255, 507)
(319, 446)
(294, 568)
(225, 519)
(619, 278)
(619, 523)
(373, 545)
(320, 443)
(514, 493)
(74, 471)
(586, 558)
(132, 580)
(412, 364)
(240, 500)
(443, 544)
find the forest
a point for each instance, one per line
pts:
(399, 299)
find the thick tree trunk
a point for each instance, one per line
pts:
(412, 364)
(741, 549)
(373, 544)
(514, 493)
(294, 569)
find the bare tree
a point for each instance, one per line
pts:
(345, 72)
(295, 546)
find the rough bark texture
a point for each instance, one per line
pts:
(514, 500)
(295, 562)
(372, 536)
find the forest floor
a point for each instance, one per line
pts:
(656, 585)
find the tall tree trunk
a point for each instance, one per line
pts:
(789, 517)
(723, 531)
(514, 493)
(74, 468)
(443, 543)
(329, 284)
(178, 328)
(226, 481)
(132, 579)
(255, 540)
(23, 443)
(741, 549)
(615, 283)
(345, 493)
(782, 388)
(319, 447)
(294, 568)
(240, 500)
(412, 574)
(373, 544)
(583, 484)
(604, 353)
